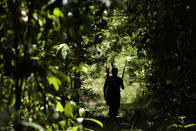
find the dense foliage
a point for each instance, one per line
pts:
(167, 37)
(42, 55)
(50, 51)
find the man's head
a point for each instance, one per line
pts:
(114, 71)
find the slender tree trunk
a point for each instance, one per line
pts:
(18, 93)
(77, 62)
(14, 6)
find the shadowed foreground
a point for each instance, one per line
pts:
(126, 121)
(130, 118)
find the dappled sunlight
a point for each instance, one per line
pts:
(98, 109)
(97, 65)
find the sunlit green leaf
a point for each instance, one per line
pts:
(59, 106)
(62, 123)
(82, 112)
(56, 47)
(84, 69)
(64, 50)
(94, 120)
(75, 128)
(92, 7)
(68, 110)
(189, 125)
(54, 81)
(35, 15)
(57, 12)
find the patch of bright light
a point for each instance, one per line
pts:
(64, 2)
(70, 14)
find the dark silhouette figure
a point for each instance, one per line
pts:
(112, 92)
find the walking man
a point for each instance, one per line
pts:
(112, 92)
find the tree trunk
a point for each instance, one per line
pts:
(77, 61)
(13, 6)
(18, 94)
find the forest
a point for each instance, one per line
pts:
(54, 56)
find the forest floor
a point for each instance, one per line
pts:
(131, 116)
(125, 121)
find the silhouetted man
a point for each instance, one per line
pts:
(112, 92)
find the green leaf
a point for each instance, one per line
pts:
(75, 128)
(82, 112)
(62, 123)
(68, 110)
(92, 7)
(82, 27)
(54, 81)
(41, 85)
(74, 107)
(61, 75)
(10, 32)
(59, 106)
(56, 47)
(94, 120)
(34, 125)
(189, 125)
(84, 69)
(57, 12)
(64, 50)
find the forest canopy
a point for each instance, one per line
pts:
(52, 50)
